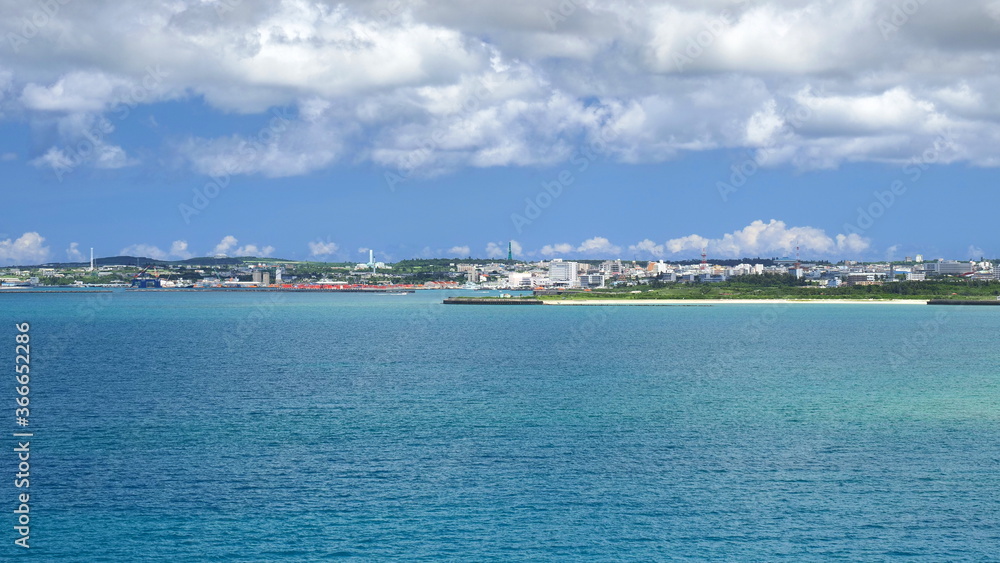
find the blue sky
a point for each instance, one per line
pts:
(863, 131)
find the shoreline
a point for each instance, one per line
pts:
(681, 302)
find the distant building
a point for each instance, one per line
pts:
(865, 278)
(519, 280)
(947, 268)
(564, 274)
(592, 280)
(612, 268)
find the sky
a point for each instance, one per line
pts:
(313, 130)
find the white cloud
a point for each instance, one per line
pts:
(593, 247)
(28, 249)
(408, 93)
(647, 247)
(73, 253)
(179, 248)
(254, 250)
(54, 158)
(767, 239)
(459, 251)
(78, 91)
(599, 246)
(499, 249)
(552, 250)
(227, 243)
(974, 252)
(228, 246)
(144, 251)
(83, 140)
(320, 248)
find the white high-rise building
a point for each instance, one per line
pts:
(565, 274)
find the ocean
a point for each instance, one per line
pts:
(300, 427)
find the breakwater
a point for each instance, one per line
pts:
(961, 302)
(498, 301)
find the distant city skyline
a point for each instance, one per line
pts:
(314, 131)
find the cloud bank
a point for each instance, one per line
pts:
(428, 87)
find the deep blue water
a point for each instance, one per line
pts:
(179, 426)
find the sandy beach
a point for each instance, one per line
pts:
(682, 302)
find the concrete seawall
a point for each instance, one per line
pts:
(960, 302)
(476, 301)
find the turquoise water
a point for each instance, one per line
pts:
(179, 426)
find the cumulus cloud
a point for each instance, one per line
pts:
(229, 246)
(320, 248)
(178, 251)
(775, 237)
(598, 246)
(144, 251)
(28, 249)
(77, 91)
(459, 251)
(73, 253)
(593, 247)
(557, 249)
(419, 88)
(179, 248)
(83, 141)
(647, 247)
(254, 250)
(227, 243)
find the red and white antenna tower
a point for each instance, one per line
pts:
(704, 261)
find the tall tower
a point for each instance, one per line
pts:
(704, 259)
(91, 258)
(510, 250)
